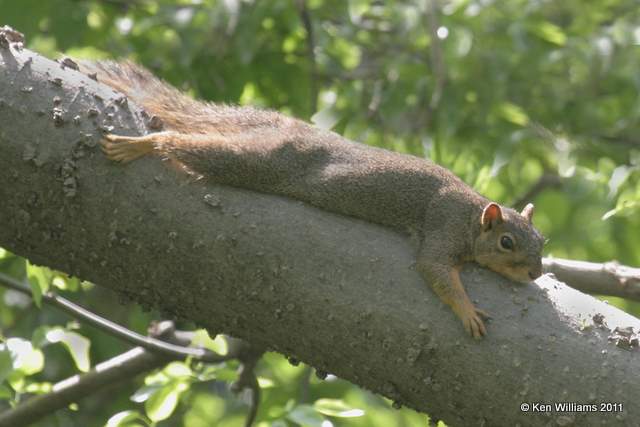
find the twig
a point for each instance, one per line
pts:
(609, 278)
(305, 383)
(620, 139)
(249, 355)
(547, 180)
(305, 17)
(436, 59)
(114, 329)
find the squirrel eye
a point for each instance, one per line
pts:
(506, 242)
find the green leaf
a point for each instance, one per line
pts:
(76, 345)
(218, 372)
(39, 281)
(265, 382)
(618, 177)
(5, 392)
(336, 408)
(65, 282)
(161, 404)
(6, 364)
(306, 416)
(39, 388)
(178, 370)
(550, 32)
(144, 392)
(513, 113)
(126, 418)
(201, 338)
(625, 207)
(26, 359)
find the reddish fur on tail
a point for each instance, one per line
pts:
(178, 111)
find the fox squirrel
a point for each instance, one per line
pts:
(268, 152)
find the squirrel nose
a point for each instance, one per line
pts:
(535, 272)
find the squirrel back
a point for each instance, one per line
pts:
(293, 158)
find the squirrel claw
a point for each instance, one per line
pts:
(483, 314)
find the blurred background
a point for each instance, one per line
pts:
(526, 100)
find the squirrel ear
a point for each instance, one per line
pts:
(490, 214)
(527, 212)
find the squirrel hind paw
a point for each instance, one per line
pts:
(124, 149)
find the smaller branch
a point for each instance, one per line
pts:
(305, 384)
(620, 139)
(305, 17)
(547, 180)
(114, 329)
(609, 278)
(431, 102)
(123, 367)
(248, 355)
(437, 60)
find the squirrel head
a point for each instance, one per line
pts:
(508, 243)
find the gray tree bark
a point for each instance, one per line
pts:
(335, 292)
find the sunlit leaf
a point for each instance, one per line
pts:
(65, 282)
(125, 418)
(336, 408)
(144, 392)
(618, 177)
(513, 113)
(76, 345)
(161, 404)
(26, 359)
(265, 382)
(39, 280)
(39, 388)
(550, 32)
(306, 416)
(201, 338)
(178, 370)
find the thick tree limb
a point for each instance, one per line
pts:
(609, 278)
(334, 292)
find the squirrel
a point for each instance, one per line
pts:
(269, 152)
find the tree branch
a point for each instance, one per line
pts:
(305, 17)
(547, 180)
(609, 278)
(334, 292)
(114, 329)
(121, 368)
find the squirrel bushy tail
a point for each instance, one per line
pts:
(177, 111)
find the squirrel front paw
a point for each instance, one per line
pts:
(472, 320)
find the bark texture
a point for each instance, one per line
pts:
(334, 292)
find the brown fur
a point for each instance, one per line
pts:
(269, 152)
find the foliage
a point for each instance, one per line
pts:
(502, 93)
